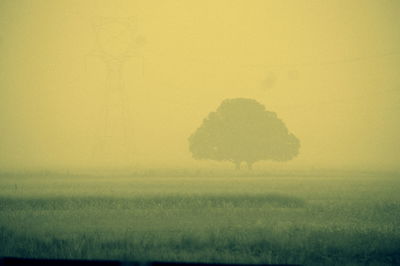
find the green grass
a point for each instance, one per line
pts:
(332, 219)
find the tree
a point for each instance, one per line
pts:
(241, 130)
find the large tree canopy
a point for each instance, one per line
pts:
(241, 130)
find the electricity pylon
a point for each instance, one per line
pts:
(116, 43)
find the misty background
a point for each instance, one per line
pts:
(330, 70)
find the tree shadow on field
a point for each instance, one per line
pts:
(238, 201)
(170, 201)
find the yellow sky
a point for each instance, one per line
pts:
(329, 69)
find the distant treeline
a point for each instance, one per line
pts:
(193, 172)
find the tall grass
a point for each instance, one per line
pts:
(291, 244)
(312, 221)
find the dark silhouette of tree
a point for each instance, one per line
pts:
(241, 130)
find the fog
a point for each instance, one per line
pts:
(328, 69)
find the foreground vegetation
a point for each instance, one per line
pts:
(328, 219)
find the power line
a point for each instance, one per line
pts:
(331, 62)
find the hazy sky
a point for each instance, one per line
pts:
(329, 69)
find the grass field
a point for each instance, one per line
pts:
(319, 219)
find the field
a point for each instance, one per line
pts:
(314, 219)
